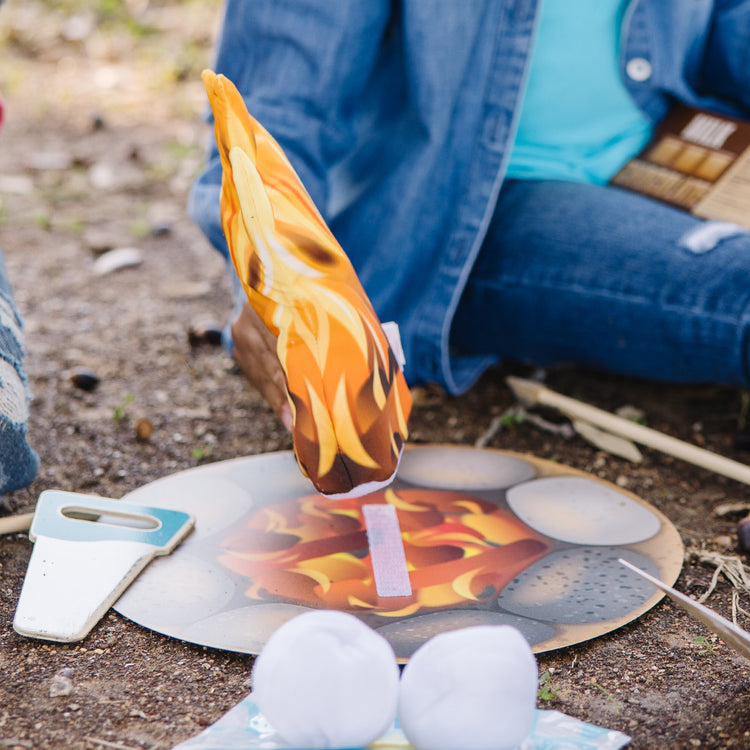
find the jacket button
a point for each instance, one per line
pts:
(638, 69)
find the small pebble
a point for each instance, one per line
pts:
(84, 379)
(49, 160)
(144, 429)
(77, 27)
(114, 260)
(200, 335)
(723, 540)
(161, 229)
(99, 241)
(743, 534)
(18, 184)
(62, 683)
(97, 122)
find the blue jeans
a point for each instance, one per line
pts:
(601, 277)
(18, 461)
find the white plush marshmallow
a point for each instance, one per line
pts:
(326, 680)
(470, 689)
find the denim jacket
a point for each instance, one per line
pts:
(399, 117)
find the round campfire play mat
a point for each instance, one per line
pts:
(488, 537)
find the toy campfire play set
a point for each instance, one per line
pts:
(458, 562)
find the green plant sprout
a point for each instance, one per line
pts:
(120, 410)
(609, 696)
(202, 451)
(43, 221)
(546, 691)
(138, 228)
(512, 419)
(706, 647)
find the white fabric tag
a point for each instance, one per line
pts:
(391, 332)
(386, 550)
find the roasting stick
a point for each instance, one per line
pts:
(531, 392)
(15, 524)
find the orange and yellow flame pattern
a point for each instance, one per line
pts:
(349, 398)
(460, 551)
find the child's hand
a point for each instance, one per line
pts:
(255, 352)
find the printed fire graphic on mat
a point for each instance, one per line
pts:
(460, 550)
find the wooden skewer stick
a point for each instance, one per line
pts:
(15, 524)
(531, 392)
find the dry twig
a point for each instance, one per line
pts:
(733, 569)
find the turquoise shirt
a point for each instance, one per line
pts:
(578, 122)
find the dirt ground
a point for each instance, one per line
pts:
(102, 138)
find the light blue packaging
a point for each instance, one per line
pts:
(245, 728)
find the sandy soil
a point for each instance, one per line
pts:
(101, 140)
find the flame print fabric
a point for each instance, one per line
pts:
(349, 398)
(461, 550)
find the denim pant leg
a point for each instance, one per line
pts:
(604, 278)
(18, 462)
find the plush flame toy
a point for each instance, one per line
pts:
(349, 399)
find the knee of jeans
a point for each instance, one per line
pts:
(14, 398)
(708, 235)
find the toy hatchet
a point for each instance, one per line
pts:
(87, 551)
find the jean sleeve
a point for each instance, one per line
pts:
(300, 66)
(727, 60)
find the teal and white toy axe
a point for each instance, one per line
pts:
(87, 551)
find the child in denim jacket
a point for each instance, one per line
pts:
(461, 154)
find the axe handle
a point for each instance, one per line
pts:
(15, 524)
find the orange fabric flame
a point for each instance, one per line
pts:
(460, 551)
(350, 402)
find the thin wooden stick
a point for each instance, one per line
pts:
(531, 392)
(15, 524)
